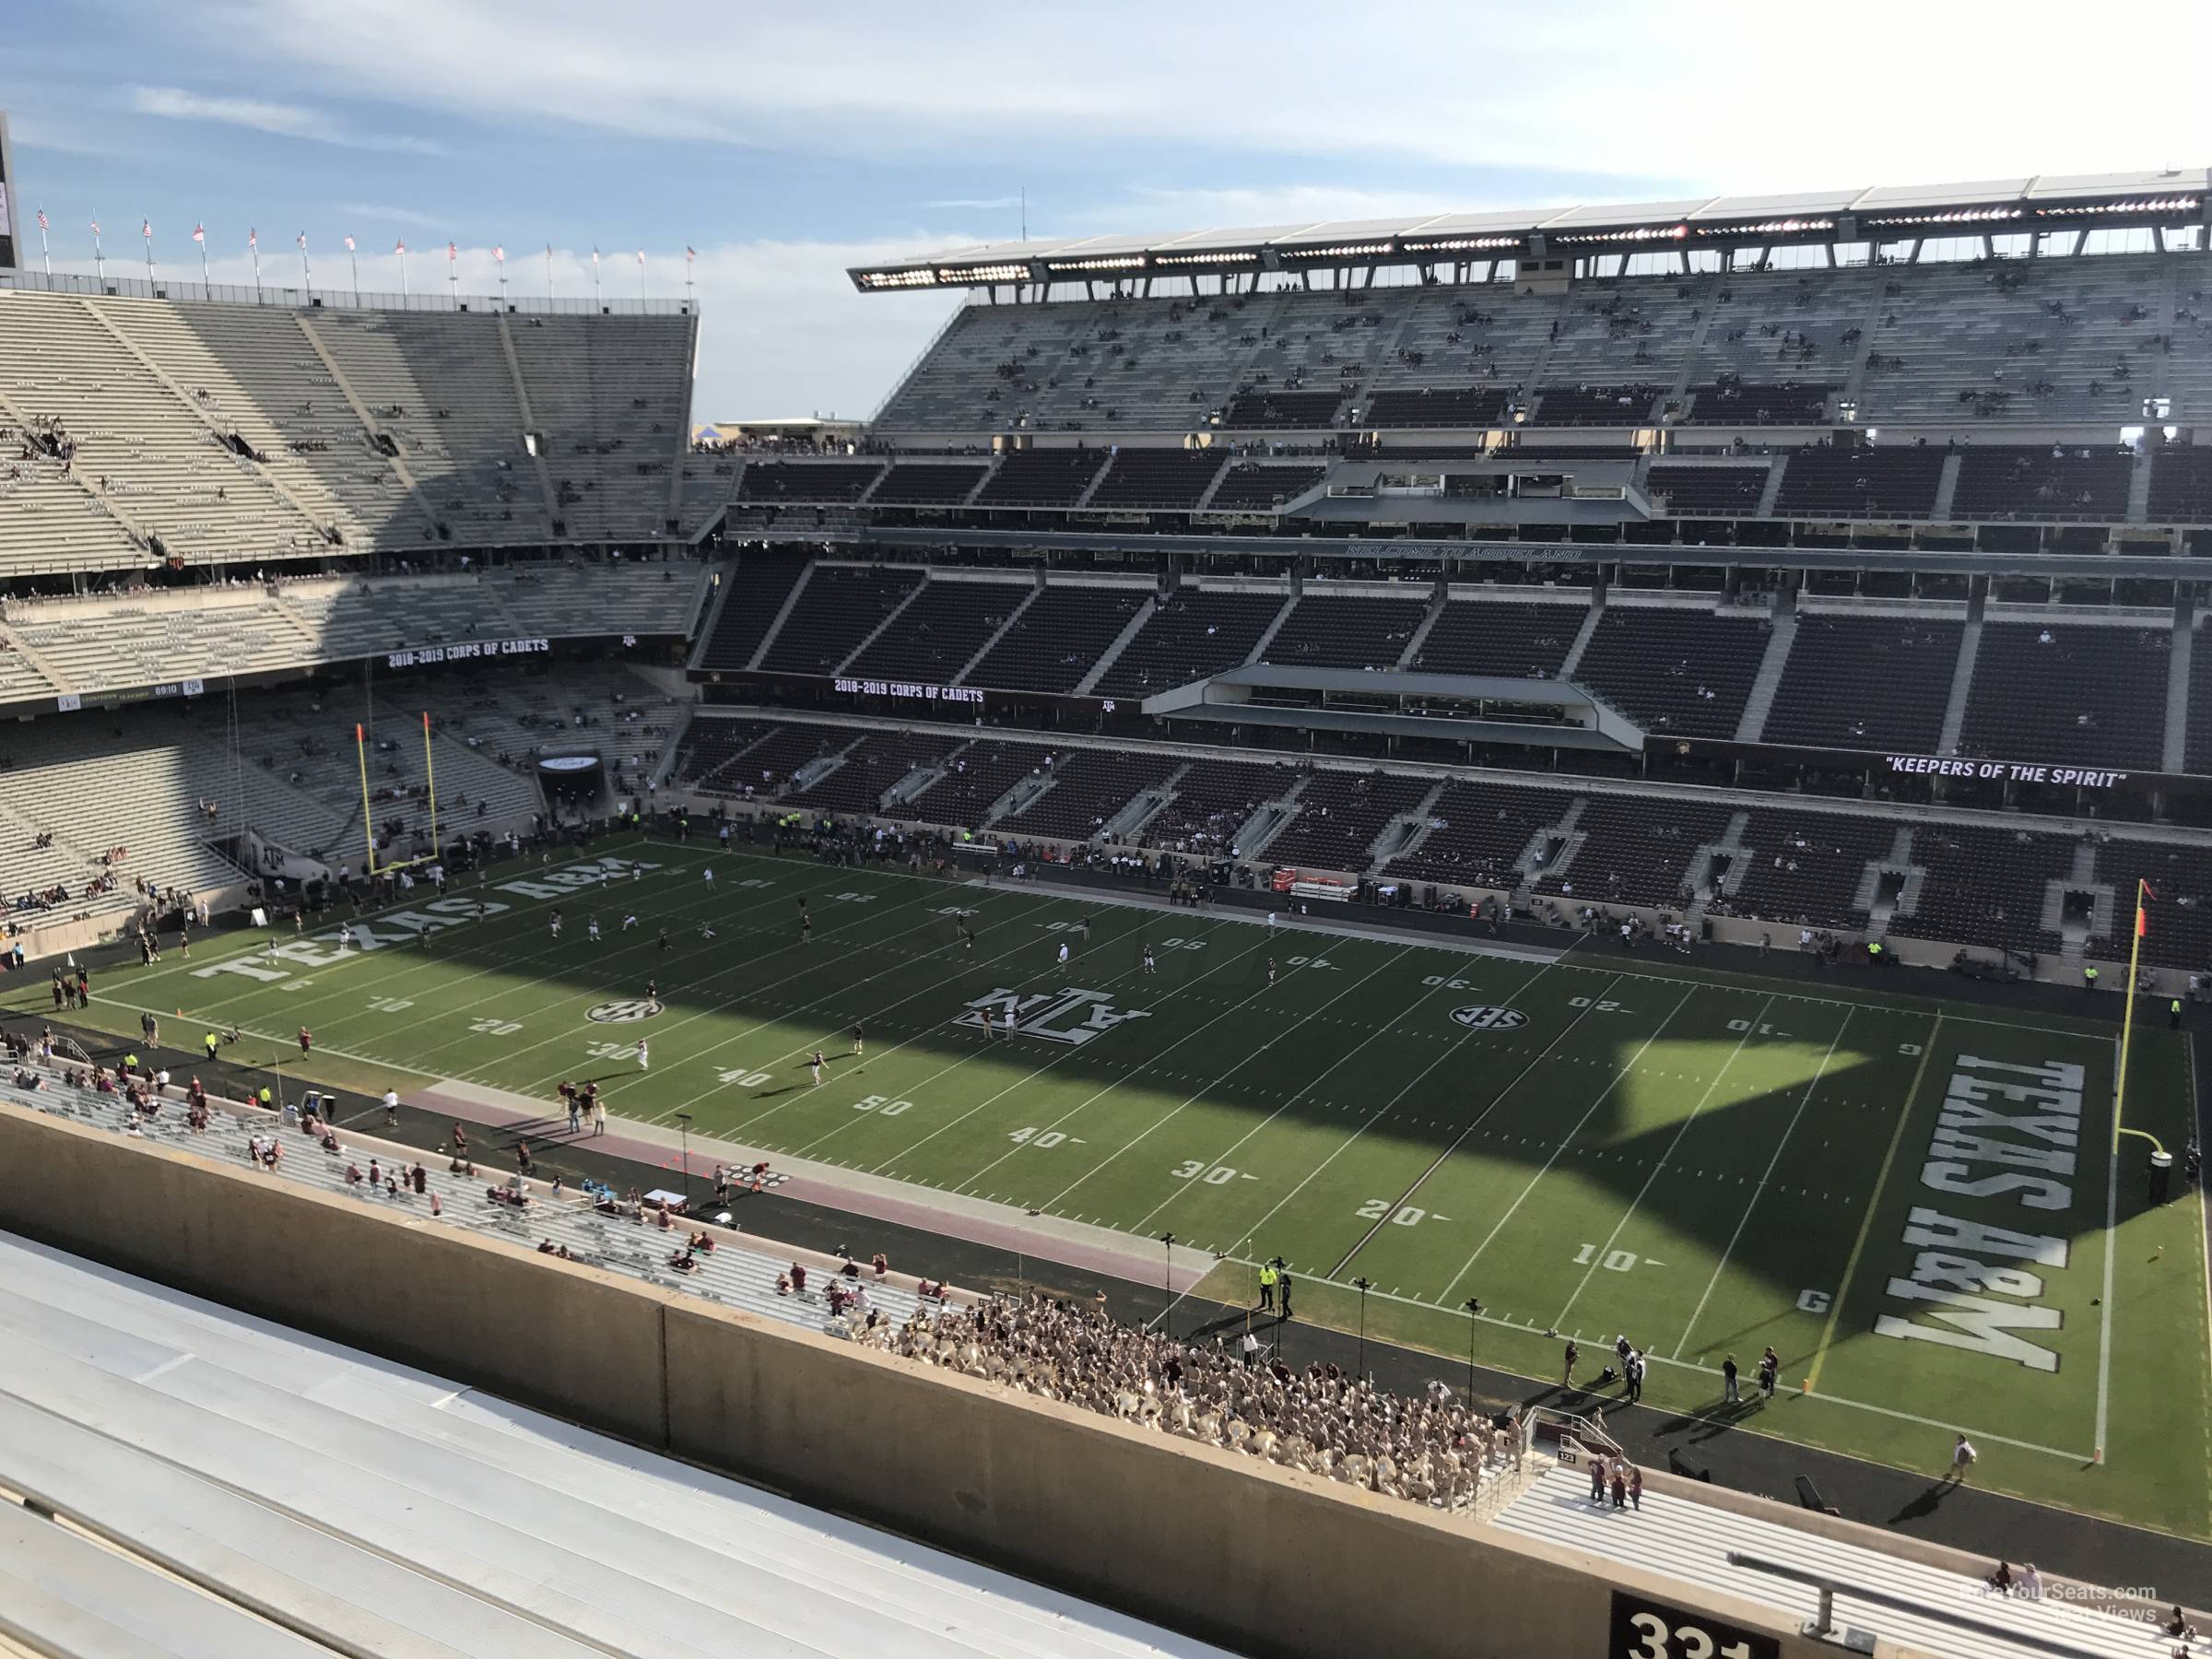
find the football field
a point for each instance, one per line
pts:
(1924, 1207)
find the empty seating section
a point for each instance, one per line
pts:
(1737, 403)
(1050, 646)
(1251, 487)
(1196, 632)
(600, 707)
(1633, 332)
(840, 607)
(1042, 478)
(2042, 481)
(2200, 701)
(1161, 480)
(1479, 833)
(1806, 869)
(1635, 851)
(154, 457)
(934, 637)
(1346, 631)
(614, 597)
(1339, 816)
(1722, 491)
(1678, 673)
(19, 680)
(1867, 681)
(707, 482)
(2069, 694)
(928, 484)
(765, 767)
(1088, 787)
(1985, 886)
(2178, 922)
(1281, 411)
(1214, 800)
(238, 432)
(975, 779)
(2067, 339)
(1596, 406)
(610, 398)
(806, 483)
(1500, 639)
(1798, 327)
(762, 583)
(711, 752)
(1826, 482)
(101, 646)
(2180, 486)
(871, 767)
(1439, 406)
(438, 385)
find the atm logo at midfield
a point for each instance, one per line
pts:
(1069, 1016)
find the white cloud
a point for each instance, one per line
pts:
(282, 120)
(1736, 95)
(379, 213)
(978, 204)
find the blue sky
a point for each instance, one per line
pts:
(785, 144)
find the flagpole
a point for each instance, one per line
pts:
(691, 255)
(100, 263)
(595, 304)
(254, 247)
(548, 273)
(452, 275)
(640, 276)
(2127, 1025)
(199, 235)
(46, 254)
(353, 259)
(401, 250)
(307, 277)
(145, 229)
(499, 255)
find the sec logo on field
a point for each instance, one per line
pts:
(623, 1013)
(1484, 1019)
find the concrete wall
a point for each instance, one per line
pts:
(1260, 1559)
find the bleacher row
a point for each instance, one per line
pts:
(133, 431)
(167, 782)
(1984, 885)
(159, 637)
(1997, 482)
(2054, 340)
(2060, 686)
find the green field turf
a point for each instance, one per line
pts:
(1706, 1162)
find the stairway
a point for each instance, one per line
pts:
(1946, 488)
(2138, 491)
(791, 600)
(521, 399)
(1121, 642)
(1412, 653)
(1782, 635)
(53, 675)
(1877, 302)
(727, 571)
(1772, 492)
(1404, 833)
(1144, 806)
(1582, 640)
(1259, 652)
(1269, 820)
(1962, 679)
(1533, 869)
(1731, 843)
(1206, 498)
(997, 634)
(2176, 757)
(1710, 302)
(360, 413)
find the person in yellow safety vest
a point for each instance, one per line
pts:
(2089, 978)
(2173, 1015)
(1266, 1287)
(130, 1063)
(1874, 952)
(263, 1096)
(214, 1043)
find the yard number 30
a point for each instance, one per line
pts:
(1689, 1641)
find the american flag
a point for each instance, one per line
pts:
(401, 247)
(145, 229)
(640, 256)
(96, 226)
(253, 239)
(199, 234)
(595, 249)
(302, 239)
(451, 252)
(690, 253)
(350, 245)
(498, 252)
(42, 219)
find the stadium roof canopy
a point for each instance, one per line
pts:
(1886, 213)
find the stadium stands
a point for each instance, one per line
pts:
(2180, 486)
(1282, 411)
(1339, 816)
(1325, 631)
(1168, 480)
(1088, 787)
(759, 586)
(1635, 851)
(1804, 869)
(806, 483)
(2042, 481)
(1825, 482)
(1505, 638)
(1679, 672)
(2199, 758)
(1899, 669)
(611, 422)
(871, 767)
(977, 776)
(1596, 406)
(1042, 478)
(1437, 406)
(1737, 403)
(2069, 694)
(1717, 492)
(1195, 632)
(1250, 486)
(1986, 886)
(1477, 834)
(842, 607)
(1213, 799)
(947, 624)
(928, 484)
(1050, 646)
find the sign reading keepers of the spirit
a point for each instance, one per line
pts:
(2006, 772)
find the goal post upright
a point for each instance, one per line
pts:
(430, 782)
(360, 749)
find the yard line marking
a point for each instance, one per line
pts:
(1125, 1146)
(1235, 1007)
(1599, 1254)
(1803, 1100)
(1421, 1076)
(1620, 1078)
(1858, 1245)
(2112, 1228)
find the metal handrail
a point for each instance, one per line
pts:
(1824, 1624)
